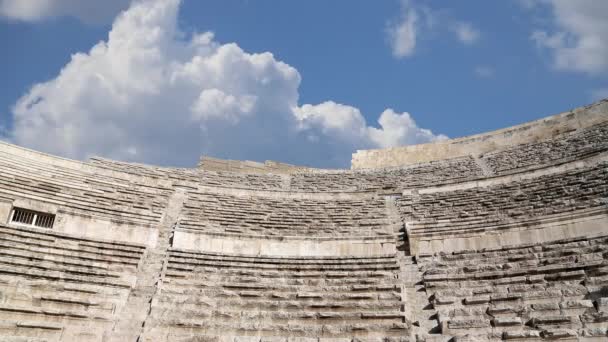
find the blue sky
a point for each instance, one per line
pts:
(474, 66)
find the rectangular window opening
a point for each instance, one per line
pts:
(32, 218)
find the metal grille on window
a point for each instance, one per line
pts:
(32, 218)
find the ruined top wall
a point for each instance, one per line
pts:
(247, 166)
(534, 131)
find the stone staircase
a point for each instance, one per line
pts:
(149, 278)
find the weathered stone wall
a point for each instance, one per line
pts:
(247, 166)
(532, 132)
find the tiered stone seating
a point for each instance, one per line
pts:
(561, 148)
(197, 176)
(81, 191)
(310, 180)
(494, 207)
(236, 252)
(55, 285)
(277, 298)
(548, 290)
(284, 216)
(439, 172)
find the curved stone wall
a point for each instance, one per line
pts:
(547, 129)
(499, 236)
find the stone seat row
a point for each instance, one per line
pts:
(77, 176)
(266, 297)
(581, 190)
(58, 285)
(258, 215)
(566, 298)
(481, 226)
(287, 260)
(568, 146)
(197, 176)
(527, 254)
(80, 191)
(389, 179)
(216, 338)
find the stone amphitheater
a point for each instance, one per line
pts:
(496, 236)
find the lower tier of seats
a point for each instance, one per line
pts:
(556, 290)
(265, 298)
(57, 287)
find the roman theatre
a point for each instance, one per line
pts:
(491, 237)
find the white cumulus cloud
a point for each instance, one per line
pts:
(402, 34)
(399, 129)
(465, 32)
(578, 35)
(417, 20)
(484, 71)
(148, 94)
(89, 11)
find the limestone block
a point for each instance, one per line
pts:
(476, 300)
(506, 321)
(522, 335)
(558, 333)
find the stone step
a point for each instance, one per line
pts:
(47, 312)
(192, 326)
(318, 280)
(188, 265)
(65, 250)
(293, 317)
(255, 303)
(55, 275)
(303, 296)
(49, 235)
(286, 289)
(279, 259)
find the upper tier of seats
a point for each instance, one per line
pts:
(550, 290)
(197, 176)
(564, 147)
(57, 286)
(390, 179)
(492, 207)
(81, 191)
(273, 298)
(572, 145)
(284, 216)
